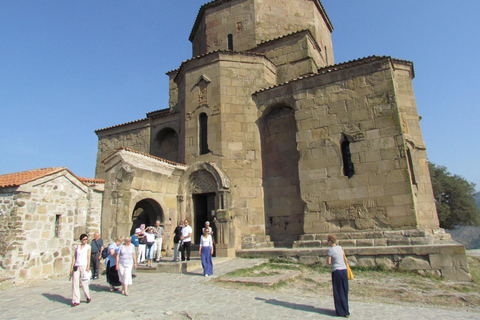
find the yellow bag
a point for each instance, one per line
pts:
(350, 275)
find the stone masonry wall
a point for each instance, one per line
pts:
(235, 18)
(134, 136)
(293, 56)
(233, 136)
(410, 124)
(355, 103)
(251, 22)
(31, 245)
(276, 18)
(135, 177)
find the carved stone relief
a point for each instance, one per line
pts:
(202, 182)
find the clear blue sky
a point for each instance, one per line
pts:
(68, 68)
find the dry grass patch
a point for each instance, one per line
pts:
(372, 285)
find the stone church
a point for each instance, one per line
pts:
(271, 140)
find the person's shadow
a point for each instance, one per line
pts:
(297, 306)
(57, 298)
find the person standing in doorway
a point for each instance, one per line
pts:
(96, 255)
(186, 240)
(159, 235)
(335, 258)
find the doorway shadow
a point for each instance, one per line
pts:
(296, 306)
(57, 298)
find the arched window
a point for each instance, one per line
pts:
(203, 133)
(230, 42)
(348, 168)
(165, 145)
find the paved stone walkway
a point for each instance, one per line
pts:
(189, 296)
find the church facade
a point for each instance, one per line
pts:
(269, 138)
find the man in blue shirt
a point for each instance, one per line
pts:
(136, 244)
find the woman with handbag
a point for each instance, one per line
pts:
(335, 258)
(80, 270)
(111, 265)
(150, 247)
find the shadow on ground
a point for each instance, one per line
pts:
(57, 298)
(297, 306)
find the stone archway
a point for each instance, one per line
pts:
(146, 211)
(203, 189)
(204, 194)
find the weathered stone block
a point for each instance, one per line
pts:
(309, 259)
(366, 262)
(414, 263)
(386, 262)
(347, 243)
(365, 242)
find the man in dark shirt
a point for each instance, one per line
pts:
(96, 255)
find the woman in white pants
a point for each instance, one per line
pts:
(79, 270)
(126, 261)
(142, 244)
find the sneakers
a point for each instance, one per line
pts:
(75, 304)
(88, 300)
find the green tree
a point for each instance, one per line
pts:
(454, 198)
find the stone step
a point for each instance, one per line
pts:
(166, 265)
(381, 242)
(368, 239)
(388, 234)
(171, 266)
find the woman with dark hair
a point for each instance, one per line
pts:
(111, 263)
(335, 258)
(80, 270)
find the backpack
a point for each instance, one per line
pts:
(105, 253)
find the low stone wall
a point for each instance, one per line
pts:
(446, 260)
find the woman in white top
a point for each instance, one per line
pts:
(79, 270)
(336, 258)
(206, 252)
(150, 246)
(126, 260)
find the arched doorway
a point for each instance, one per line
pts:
(146, 211)
(204, 208)
(203, 187)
